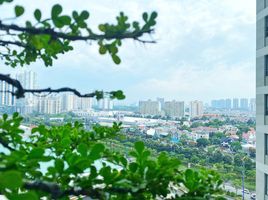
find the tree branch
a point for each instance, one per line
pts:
(92, 36)
(20, 92)
(5, 144)
(17, 43)
(64, 89)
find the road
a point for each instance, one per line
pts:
(230, 188)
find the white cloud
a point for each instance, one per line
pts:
(190, 82)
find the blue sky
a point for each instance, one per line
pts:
(205, 50)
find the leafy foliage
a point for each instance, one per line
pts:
(56, 162)
(45, 39)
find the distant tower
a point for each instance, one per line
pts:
(235, 104)
(196, 109)
(149, 107)
(28, 81)
(162, 102)
(244, 104)
(174, 108)
(6, 98)
(252, 105)
(105, 104)
(228, 103)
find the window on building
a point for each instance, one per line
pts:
(265, 3)
(266, 184)
(266, 26)
(266, 104)
(266, 65)
(266, 144)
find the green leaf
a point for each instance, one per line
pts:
(102, 50)
(66, 20)
(59, 165)
(15, 115)
(139, 146)
(10, 180)
(145, 16)
(19, 10)
(133, 167)
(28, 24)
(37, 14)
(62, 21)
(124, 161)
(66, 142)
(96, 151)
(75, 14)
(5, 116)
(36, 153)
(154, 15)
(116, 59)
(82, 149)
(56, 10)
(102, 27)
(84, 15)
(118, 95)
(23, 196)
(146, 154)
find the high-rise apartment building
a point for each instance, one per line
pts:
(162, 102)
(262, 101)
(28, 81)
(228, 103)
(6, 98)
(196, 108)
(70, 102)
(49, 105)
(106, 104)
(86, 103)
(244, 104)
(222, 104)
(235, 104)
(174, 108)
(150, 107)
(67, 102)
(252, 105)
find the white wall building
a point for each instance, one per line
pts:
(174, 108)
(149, 107)
(196, 109)
(262, 100)
(6, 98)
(49, 105)
(105, 104)
(28, 81)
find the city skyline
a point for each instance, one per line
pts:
(197, 66)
